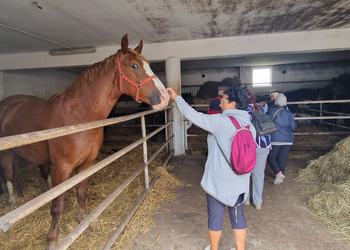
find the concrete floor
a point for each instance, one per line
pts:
(283, 222)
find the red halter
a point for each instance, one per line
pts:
(138, 86)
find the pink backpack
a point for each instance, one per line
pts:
(243, 152)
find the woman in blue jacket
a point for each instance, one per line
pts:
(282, 139)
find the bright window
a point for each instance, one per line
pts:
(262, 77)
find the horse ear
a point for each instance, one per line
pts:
(138, 49)
(125, 44)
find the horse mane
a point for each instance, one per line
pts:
(92, 72)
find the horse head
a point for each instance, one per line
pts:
(136, 78)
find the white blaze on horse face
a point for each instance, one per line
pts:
(164, 94)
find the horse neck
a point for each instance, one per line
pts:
(92, 98)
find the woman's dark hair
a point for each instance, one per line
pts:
(238, 95)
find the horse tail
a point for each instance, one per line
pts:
(19, 174)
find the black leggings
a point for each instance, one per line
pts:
(278, 158)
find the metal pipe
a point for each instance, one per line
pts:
(28, 138)
(310, 149)
(324, 112)
(69, 239)
(35, 36)
(19, 213)
(324, 133)
(128, 216)
(144, 147)
(322, 117)
(324, 101)
(12, 217)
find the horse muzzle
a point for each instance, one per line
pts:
(161, 101)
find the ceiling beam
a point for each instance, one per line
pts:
(212, 48)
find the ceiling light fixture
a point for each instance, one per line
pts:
(70, 51)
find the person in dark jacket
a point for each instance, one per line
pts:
(283, 139)
(214, 106)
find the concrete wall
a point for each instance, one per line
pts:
(301, 72)
(40, 82)
(46, 82)
(2, 90)
(198, 77)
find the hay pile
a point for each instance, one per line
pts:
(329, 189)
(30, 233)
(312, 141)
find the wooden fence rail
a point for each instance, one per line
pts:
(19, 213)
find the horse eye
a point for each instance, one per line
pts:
(134, 66)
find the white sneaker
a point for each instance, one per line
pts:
(278, 179)
(208, 248)
(247, 203)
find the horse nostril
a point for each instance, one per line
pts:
(155, 100)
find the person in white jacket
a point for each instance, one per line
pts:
(222, 185)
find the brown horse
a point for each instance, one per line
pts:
(90, 97)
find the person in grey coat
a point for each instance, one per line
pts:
(222, 185)
(263, 148)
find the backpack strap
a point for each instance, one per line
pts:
(235, 122)
(276, 113)
(222, 152)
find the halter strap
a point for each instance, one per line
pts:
(138, 86)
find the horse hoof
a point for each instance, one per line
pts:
(88, 230)
(12, 204)
(51, 246)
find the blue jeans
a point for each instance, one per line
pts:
(278, 158)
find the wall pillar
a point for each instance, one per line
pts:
(2, 87)
(173, 80)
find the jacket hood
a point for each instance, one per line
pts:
(241, 115)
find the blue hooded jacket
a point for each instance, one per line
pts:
(285, 124)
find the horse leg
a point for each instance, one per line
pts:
(12, 200)
(6, 161)
(18, 168)
(45, 173)
(81, 196)
(57, 206)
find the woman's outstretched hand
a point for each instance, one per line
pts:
(172, 93)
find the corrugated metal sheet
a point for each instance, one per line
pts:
(288, 86)
(279, 86)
